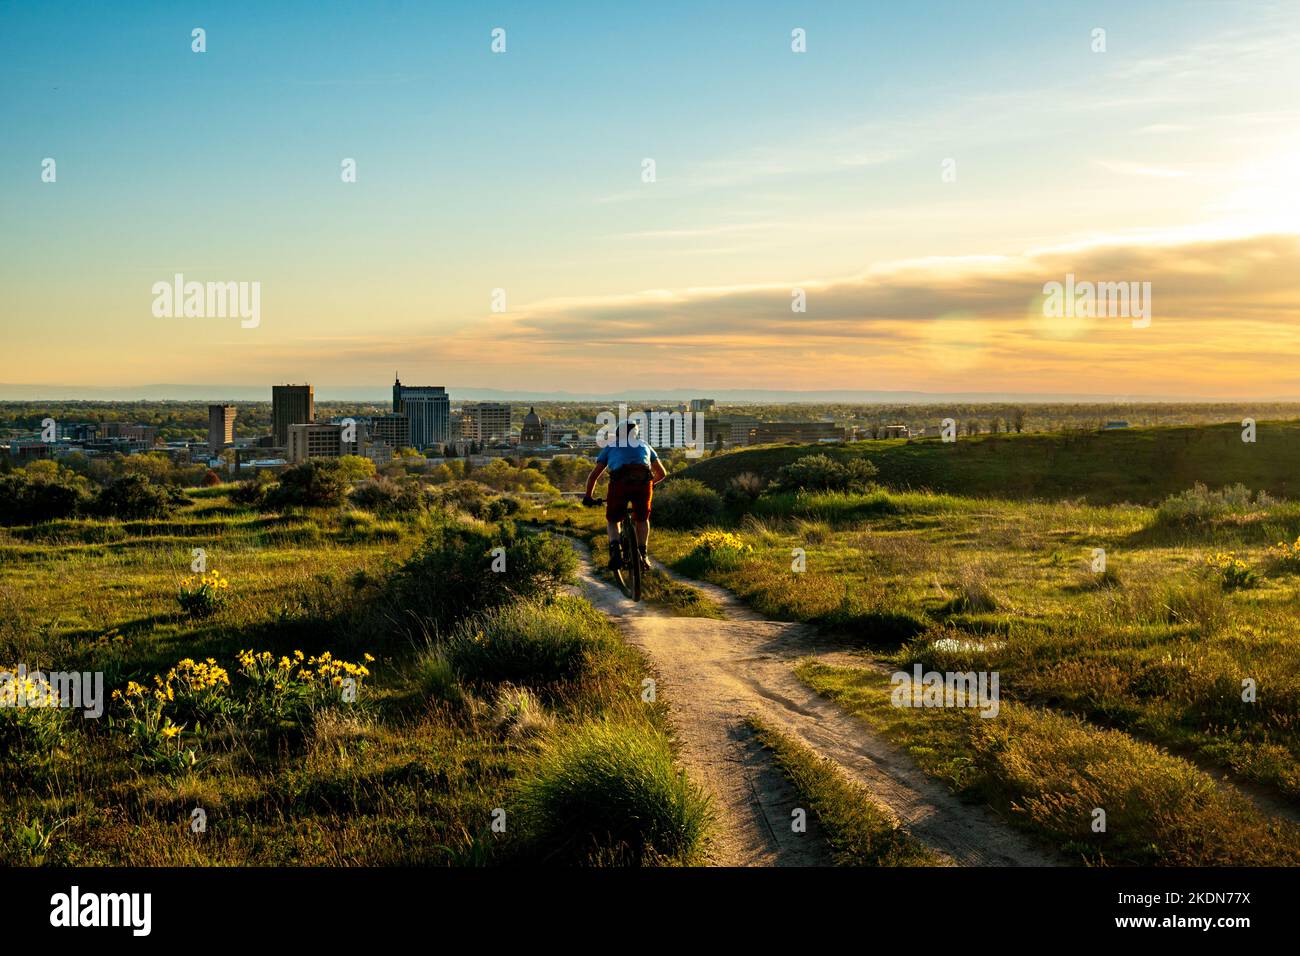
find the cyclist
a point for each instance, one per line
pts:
(634, 470)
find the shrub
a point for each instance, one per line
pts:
(355, 468)
(467, 496)
(210, 478)
(251, 491)
(387, 497)
(1199, 506)
(318, 483)
(528, 643)
(133, 497)
(686, 503)
(28, 499)
(743, 490)
(502, 507)
(451, 576)
(824, 473)
(609, 793)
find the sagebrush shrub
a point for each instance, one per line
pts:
(685, 503)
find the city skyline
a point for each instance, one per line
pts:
(1166, 159)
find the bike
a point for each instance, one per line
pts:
(630, 568)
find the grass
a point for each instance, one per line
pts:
(1048, 773)
(610, 793)
(860, 831)
(1141, 465)
(413, 773)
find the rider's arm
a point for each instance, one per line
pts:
(657, 473)
(593, 478)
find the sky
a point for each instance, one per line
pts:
(918, 174)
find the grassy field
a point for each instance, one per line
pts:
(1140, 465)
(484, 730)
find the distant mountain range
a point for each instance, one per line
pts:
(363, 393)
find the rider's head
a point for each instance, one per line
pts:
(628, 432)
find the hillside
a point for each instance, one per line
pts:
(1140, 465)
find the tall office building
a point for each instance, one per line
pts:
(392, 430)
(316, 441)
(221, 427)
(427, 408)
(290, 405)
(486, 422)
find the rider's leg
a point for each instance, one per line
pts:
(642, 533)
(613, 531)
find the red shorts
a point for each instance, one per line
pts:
(623, 493)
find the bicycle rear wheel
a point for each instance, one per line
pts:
(623, 575)
(636, 568)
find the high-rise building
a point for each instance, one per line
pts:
(392, 430)
(315, 441)
(427, 408)
(702, 404)
(221, 427)
(486, 422)
(290, 405)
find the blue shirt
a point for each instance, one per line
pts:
(615, 457)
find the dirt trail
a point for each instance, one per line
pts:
(714, 673)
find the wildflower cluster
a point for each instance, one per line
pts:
(717, 550)
(1233, 572)
(713, 541)
(1286, 557)
(19, 689)
(31, 720)
(203, 594)
(286, 685)
(158, 715)
(155, 737)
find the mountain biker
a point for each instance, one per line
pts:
(634, 470)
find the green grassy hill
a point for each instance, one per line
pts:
(1140, 465)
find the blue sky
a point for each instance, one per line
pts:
(522, 171)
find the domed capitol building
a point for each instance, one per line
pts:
(531, 433)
